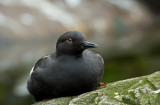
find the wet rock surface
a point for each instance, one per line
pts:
(143, 90)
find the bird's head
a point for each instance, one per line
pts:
(73, 43)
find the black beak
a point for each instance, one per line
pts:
(89, 45)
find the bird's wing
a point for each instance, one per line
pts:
(39, 63)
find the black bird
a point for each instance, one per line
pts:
(71, 70)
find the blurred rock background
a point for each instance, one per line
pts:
(127, 31)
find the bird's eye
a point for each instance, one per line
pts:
(69, 40)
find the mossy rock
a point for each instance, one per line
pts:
(136, 91)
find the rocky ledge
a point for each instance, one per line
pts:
(143, 90)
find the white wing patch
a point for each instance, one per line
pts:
(46, 56)
(31, 70)
(34, 65)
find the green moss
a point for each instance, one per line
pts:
(151, 84)
(56, 101)
(135, 91)
(130, 101)
(86, 99)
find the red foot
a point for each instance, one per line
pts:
(102, 83)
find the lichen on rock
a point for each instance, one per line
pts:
(136, 91)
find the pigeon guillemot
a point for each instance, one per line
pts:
(71, 70)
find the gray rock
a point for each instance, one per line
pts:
(143, 90)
